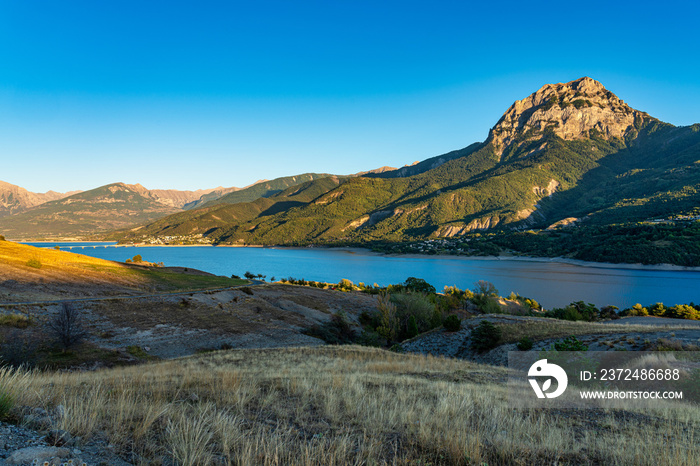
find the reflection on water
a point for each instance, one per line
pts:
(551, 283)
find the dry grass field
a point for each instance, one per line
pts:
(343, 406)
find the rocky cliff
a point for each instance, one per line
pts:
(573, 110)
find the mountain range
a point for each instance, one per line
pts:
(571, 154)
(81, 214)
(568, 153)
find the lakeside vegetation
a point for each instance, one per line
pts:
(414, 307)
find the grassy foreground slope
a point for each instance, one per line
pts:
(343, 405)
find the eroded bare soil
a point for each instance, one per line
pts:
(173, 325)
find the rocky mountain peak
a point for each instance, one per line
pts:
(570, 109)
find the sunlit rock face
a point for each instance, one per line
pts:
(571, 110)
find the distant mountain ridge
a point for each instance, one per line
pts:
(570, 152)
(15, 199)
(97, 210)
(262, 188)
(119, 205)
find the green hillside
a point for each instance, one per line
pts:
(207, 221)
(570, 153)
(263, 189)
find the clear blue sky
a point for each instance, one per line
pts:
(191, 95)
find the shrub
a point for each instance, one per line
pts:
(36, 263)
(636, 310)
(525, 344)
(2, 238)
(345, 285)
(657, 310)
(484, 288)
(416, 305)
(249, 275)
(6, 403)
(246, 290)
(570, 344)
(683, 311)
(456, 298)
(490, 306)
(388, 322)
(15, 320)
(67, 326)
(18, 350)
(575, 311)
(369, 338)
(412, 330)
(335, 332)
(418, 285)
(609, 312)
(397, 348)
(452, 323)
(485, 336)
(137, 258)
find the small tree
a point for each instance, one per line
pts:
(67, 326)
(412, 327)
(418, 285)
(249, 275)
(138, 258)
(485, 336)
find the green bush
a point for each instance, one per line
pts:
(419, 285)
(397, 348)
(337, 331)
(412, 327)
(416, 305)
(575, 311)
(570, 344)
(137, 258)
(369, 338)
(485, 336)
(452, 323)
(36, 263)
(345, 285)
(683, 311)
(525, 344)
(6, 403)
(490, 306)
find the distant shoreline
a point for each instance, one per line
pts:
(369, 252)
(559, 260)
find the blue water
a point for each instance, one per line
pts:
(553, 284)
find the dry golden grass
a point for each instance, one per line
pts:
(55, 264)
(344, 405)
(53, 269)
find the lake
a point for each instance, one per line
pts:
(553, 284)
